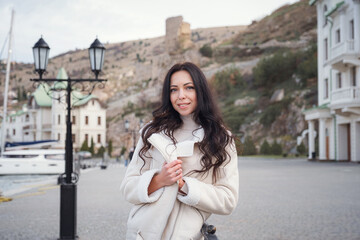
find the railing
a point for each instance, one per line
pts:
(46, 126)
(29, 127)
(346, 95)
(342, 48)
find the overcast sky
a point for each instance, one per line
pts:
(70, 24)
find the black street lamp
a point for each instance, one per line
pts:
(68, 182)
(127, 128)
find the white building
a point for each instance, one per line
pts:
(338, 110)
(44, 118)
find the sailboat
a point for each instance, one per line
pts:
(3, 125)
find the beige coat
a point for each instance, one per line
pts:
(167, 214)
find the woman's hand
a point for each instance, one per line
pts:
(170, 173)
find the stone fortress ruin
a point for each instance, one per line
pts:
(178, 35)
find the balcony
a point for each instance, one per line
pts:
(345, 98)
(343, 54)
(346, 47)
(29, 128)
(46, 127)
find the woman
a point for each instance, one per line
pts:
(185, 164)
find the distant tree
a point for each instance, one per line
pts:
(100, 151)
(84, 146)
(301, 149)
(123, 150)
(92, 147)
(110, 147)
(19, 96)
(276, 148)
(24, 95)
(265, 148)
(239, 146)
(249, 146)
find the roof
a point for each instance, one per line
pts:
(61, 75)
(44, 100)
(79, 99)
(312, 2)
(18, 113)
(336, 7)
(41, 97)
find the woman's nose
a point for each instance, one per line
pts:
(181, 94)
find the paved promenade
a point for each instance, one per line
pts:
(279, 200)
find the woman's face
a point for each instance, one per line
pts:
(182, 93)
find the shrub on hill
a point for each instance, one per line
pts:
(274, 69)
(227, 81)
(307, 67)
(206, 50)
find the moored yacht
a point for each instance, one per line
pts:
(42, 161)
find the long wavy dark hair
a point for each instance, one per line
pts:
(166, 119)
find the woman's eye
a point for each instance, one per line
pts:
(190, 88)
(172, 90)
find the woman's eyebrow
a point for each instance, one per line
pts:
(188, 83)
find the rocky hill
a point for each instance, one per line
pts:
(135, 69)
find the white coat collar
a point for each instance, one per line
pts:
(182, 149)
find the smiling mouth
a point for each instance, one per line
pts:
(184, 105)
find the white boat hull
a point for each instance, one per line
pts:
(31, 163)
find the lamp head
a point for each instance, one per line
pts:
(41, 56)
(96, 54)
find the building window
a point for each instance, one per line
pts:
(86, 120)
(27, 117)
(59, 119)
(352, 31)
(99, 138)
(87, 139)
(337, 36)
(73, 120)
(326, 49)
(73, 138)
(324, 14)
(353, 76)
(26, 133)
(99, 120)
(93, 102)
(14, 131)
(338, 80)
(58, 136)
(326, 88)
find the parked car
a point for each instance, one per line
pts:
(84, 154)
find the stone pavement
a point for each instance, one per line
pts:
(280, 199)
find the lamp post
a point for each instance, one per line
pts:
(68, 183)
(127, 128)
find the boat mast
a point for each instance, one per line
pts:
(3, 138)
